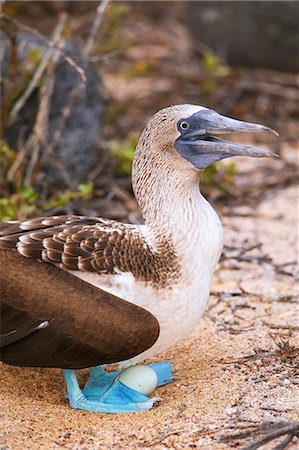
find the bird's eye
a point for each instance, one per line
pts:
(184, 126)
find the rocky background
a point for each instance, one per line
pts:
(79, 81)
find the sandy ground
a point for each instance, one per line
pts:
(252, 311)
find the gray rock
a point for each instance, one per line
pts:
(77, 146)
(261, 34)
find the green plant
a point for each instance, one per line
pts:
(19, 205)
(225, 172)
(229, 173)
(112, 112)
(124, 154)
(213, 70)
(17, 201)
(115, 13)
(13, 89)
(208, 175)
(84, 192)
(32, 61)
(7, 158)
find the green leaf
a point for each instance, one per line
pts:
(124, 154)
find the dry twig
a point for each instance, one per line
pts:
(73, 95)
(165, 436)
(272, 431)
(95, 27)
(281, 326)
(235, 253)
(37, 137)
(41, 124)
(284, 350)
(50, 44)
(40, 70)
(11, 75)
(38, 134)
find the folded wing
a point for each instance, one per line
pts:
(50, 318)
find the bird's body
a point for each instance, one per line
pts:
(179, 302)
(67, 298)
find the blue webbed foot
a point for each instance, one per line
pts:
(104, 393)
(164, 372)
(100, 381)
(117, 398)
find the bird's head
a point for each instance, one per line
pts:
(190, 131)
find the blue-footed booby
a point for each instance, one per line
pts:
(86, 292)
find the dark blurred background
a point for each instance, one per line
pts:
(80, 79)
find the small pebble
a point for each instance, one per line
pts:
(231, 411)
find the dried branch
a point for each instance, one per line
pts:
(78, 69)
(95, 27)
(50, 44)
(283, 444)
(281, 326)
(41, 123)
(37, 138)
(39, 72)
(37, 135)
(284, 351)
(165, 436)
(11, 75)
(256, 430)
(271, 432)
(198, 431)
(291, 430)
(49, 147)
(30, 88)
(73, 95)
(231, 252)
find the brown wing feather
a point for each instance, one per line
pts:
(87, 326)
(92, 245)
(64, 240)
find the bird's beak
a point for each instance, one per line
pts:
(198, 145)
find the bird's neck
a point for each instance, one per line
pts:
(170, 199)
(176, 214)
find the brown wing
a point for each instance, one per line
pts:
(73, 242)
(91, 245)
(52, 319)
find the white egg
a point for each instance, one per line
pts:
(142, 379)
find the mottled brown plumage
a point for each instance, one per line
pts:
(91, 245)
